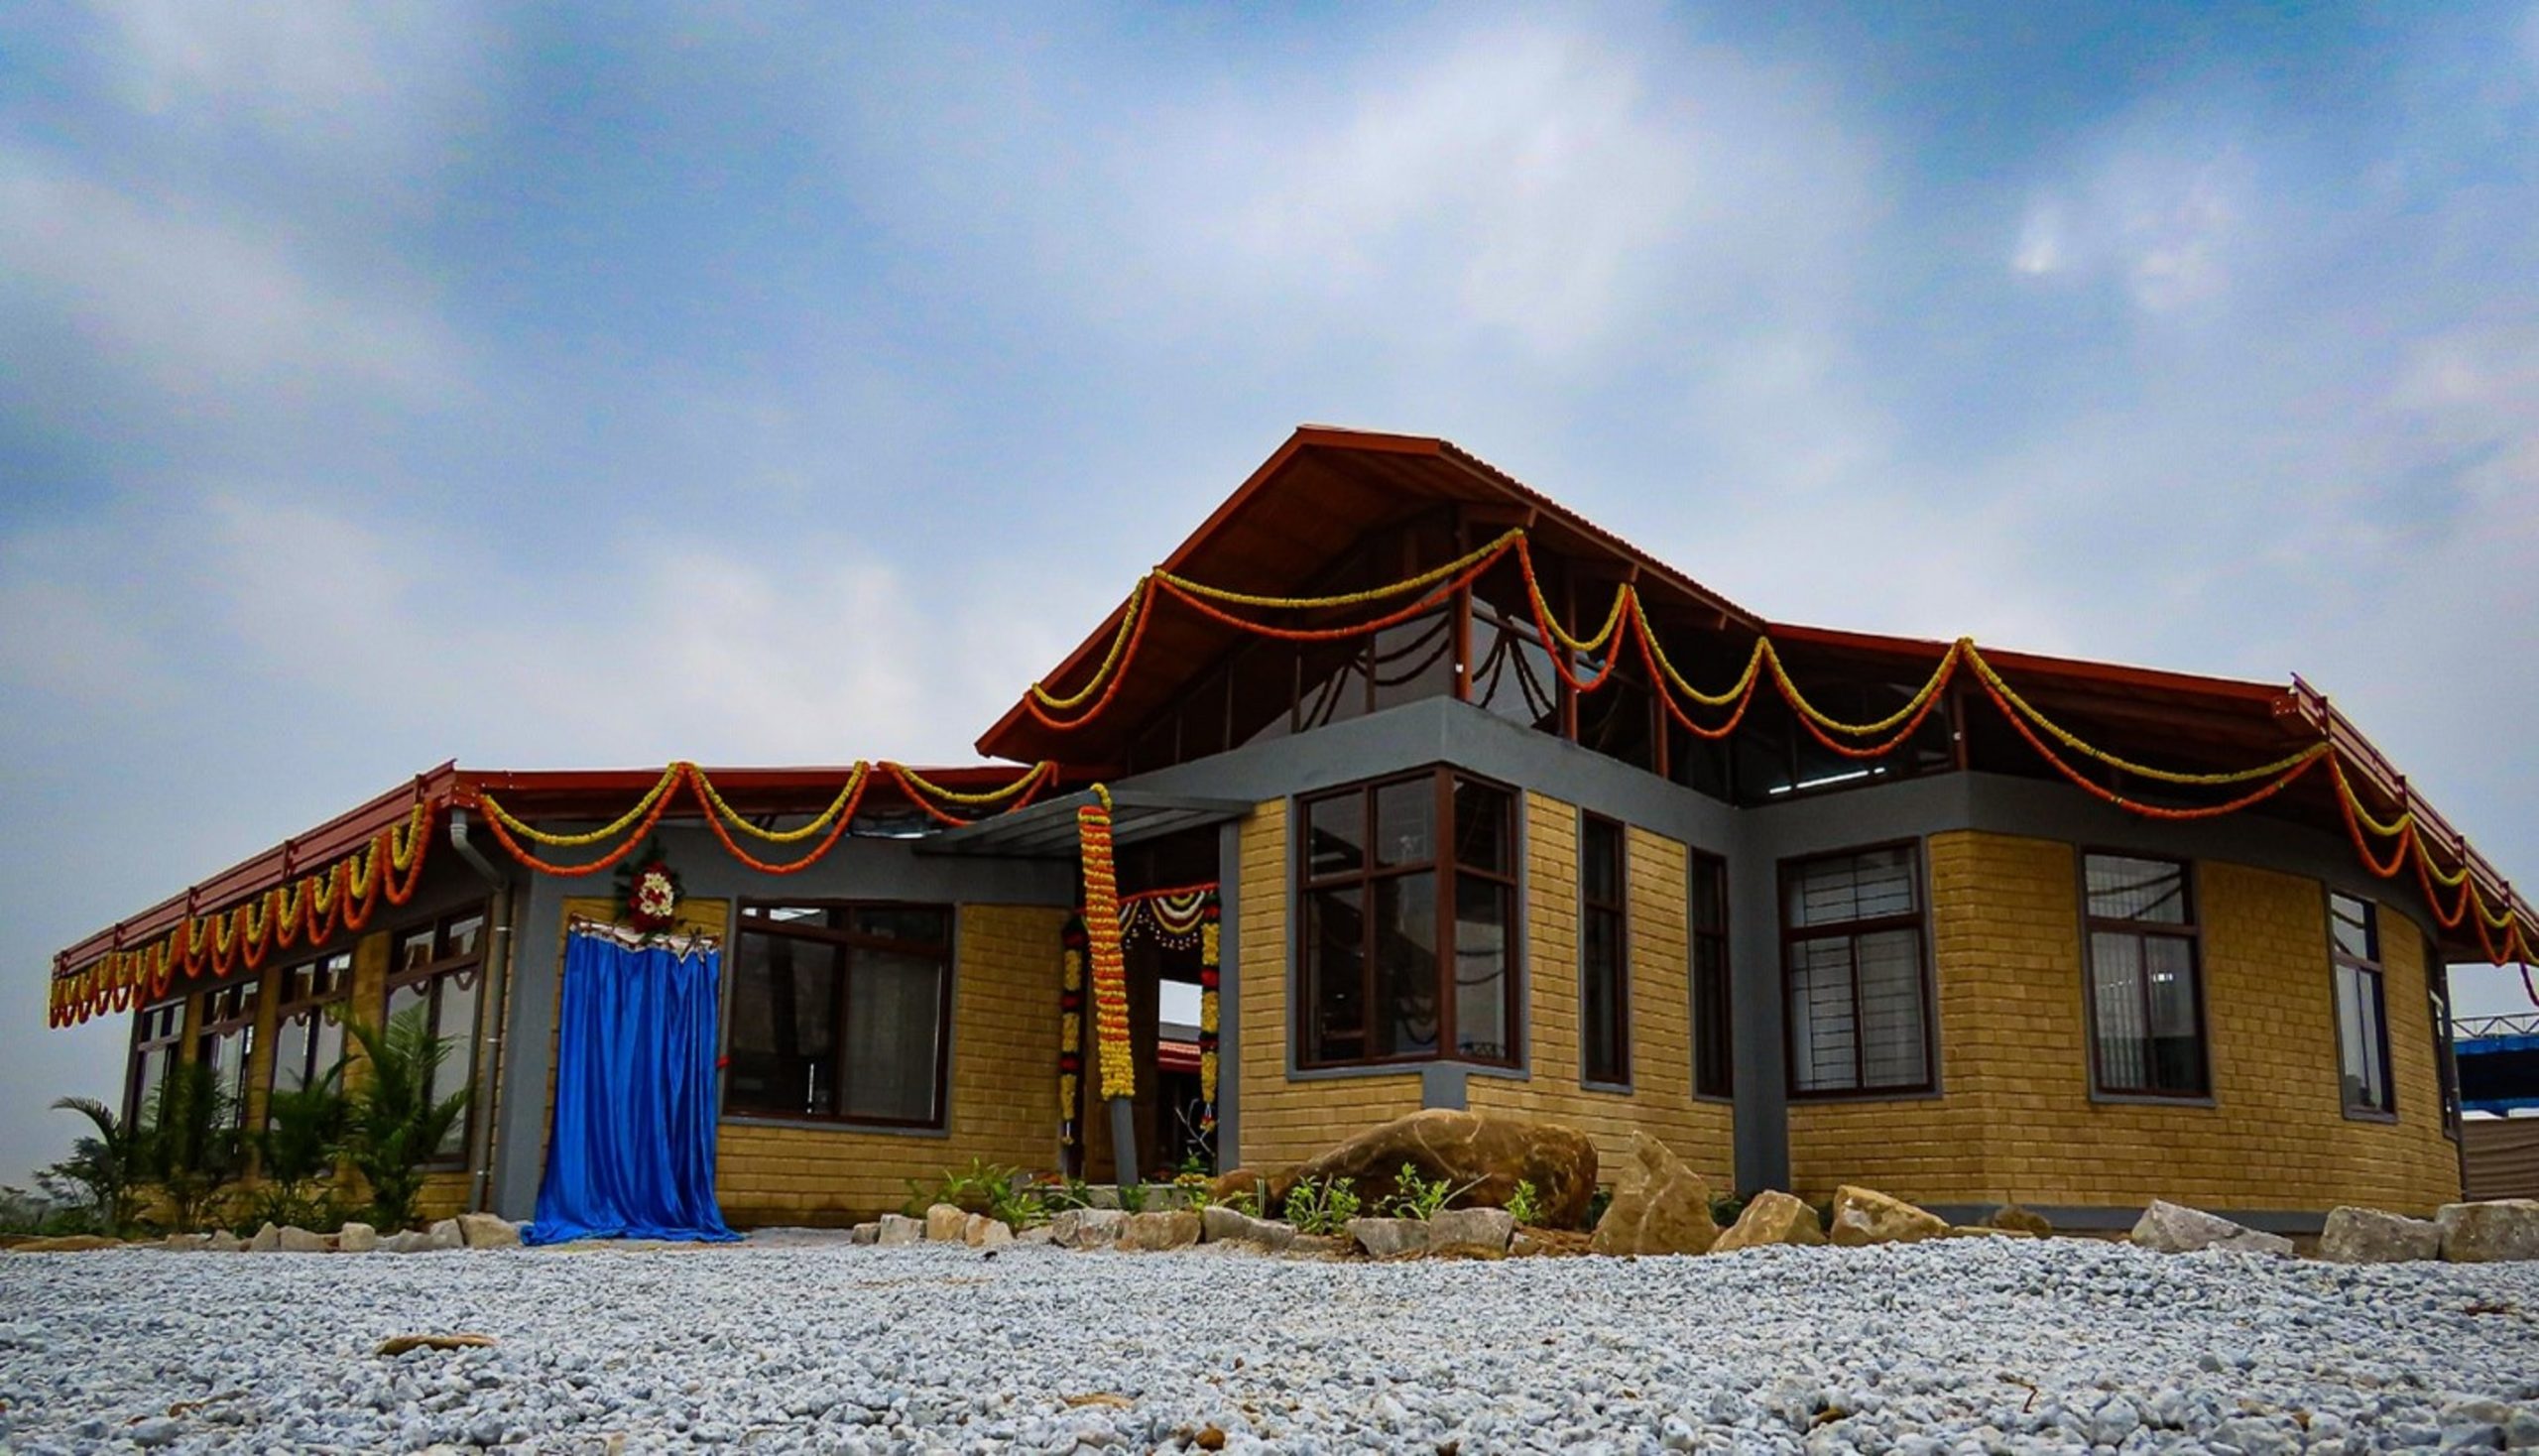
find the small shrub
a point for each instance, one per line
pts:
(105, 1168)
(978, 1188)
(1132, 1197)
(1597, 1203)
(1525, 1204)
(1247, 1203)
(1322, 1205)
(1418, 1197)
(393, 1124)
(1726, 1209)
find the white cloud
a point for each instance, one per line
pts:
(2164, 217)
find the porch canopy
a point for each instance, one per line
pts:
(1047, 831)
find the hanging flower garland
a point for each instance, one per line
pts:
(1102, 931)
(309, 910)
(1186, 919)
(648, 892)
(1210, 943)
(1071, 1030)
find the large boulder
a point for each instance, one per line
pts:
(2482, 1233)
(2369, 1236)
(1865, 1216)
(1152, 1233)
(1772, 1217)
(1660, 1206)
(2174, 1228)
(1483, 1155)
(1221, 1224)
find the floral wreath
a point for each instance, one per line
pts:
(649, 890)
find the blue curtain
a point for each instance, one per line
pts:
(631, 1154)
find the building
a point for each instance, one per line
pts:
(1459, 800)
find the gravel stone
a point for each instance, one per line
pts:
(1957, 1346)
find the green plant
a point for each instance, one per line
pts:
(1321, 1205)
(191, 1147)
(1727, 1208)
(1418, 1197)
(1132, 1197)
(297, 1149)
(393, 1124)
(973, 1189)
(1072, 1193)
(1247, 1202)
(1019, 1206)
(1597, 1203)
(1195, 1163)
(1196, 1196)
(1525, 1203)
(104, 1166)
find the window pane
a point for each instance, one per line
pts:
(1822, 1044)
(1712, 1037)
(291, 1052)
(1710, 894)
(2362, 1040)
(1600, 1013)
(1482, 978)
(1336, 834)
(1406, 1011)
(2353, 923)
(460, 935)
(1856, 887)
(412, 994)
(1481, 827)
(1335, 975)
(784, 1034)
(914, 924)
(1514, 675)
(2127, 888)
(1620, 718)
(1334, 685)
(2177, 1055)
(2116, 971)
(415, 949)
(328, 1048)
(1894, 1053)
(1600, 860)
(1407, 822)
(455, 1022)
(894, 1026)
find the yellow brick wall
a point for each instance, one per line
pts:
(1284, 1122)
(1004, 1092)
(2017, 1121)
(1660, 1102)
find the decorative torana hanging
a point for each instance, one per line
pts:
(1103, 947)
(1185, 920)
(1070, 1031)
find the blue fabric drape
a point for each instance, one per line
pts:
(631, 1154)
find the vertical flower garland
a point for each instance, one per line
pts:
(1070, 1031)
(1208, 946)
(1102, 934)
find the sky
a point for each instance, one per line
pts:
(545, 386)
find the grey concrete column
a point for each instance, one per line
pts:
(1229, 997)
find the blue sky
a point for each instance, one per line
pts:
(543, 387)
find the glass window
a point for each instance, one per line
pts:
(1859, 1007)
(158, 1039)
(1713, 1035)
(838, 1011)
(2446, 1064)
(228, 1042)
(2363, 1026)
(308, 1038)
(2146, 1005)
(1604, 991)
(440, 967)
(1393, 907)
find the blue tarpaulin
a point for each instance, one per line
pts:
(631, 1154)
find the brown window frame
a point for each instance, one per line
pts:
(314, 1005)
(168, 1041)
(2190, 930)
(435, 973)
(1917, 922)
(2363, 968)
(1617, 910)
(1448, 871)
(753, 921)
(1714, 995)
(245, 998)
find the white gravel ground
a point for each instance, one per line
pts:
(1995, 1345)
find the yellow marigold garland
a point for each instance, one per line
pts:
(1103, 945)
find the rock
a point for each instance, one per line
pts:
(2018, 1220)
(1038, 1234)
(445, 1234)
(1087, 1228)
(2369, 1236)
(1865, 1216)
(1149, 1232)
(1772, 1217)
(158, 1430)
(1659, 1205)
(864, 1233)
(408, 1241)
(357, 1238)
(983, 1232)
(297, 1239)
(186, 1243)
(221, 1241)
(1322, 1246)
(488, 1231)
(2173, 1228)
(1980, 1231)
(1222, 1225)
(1390, 1238)
(2483, 1233)
(268, 1240)
(1488, 1153)
(1271, 1189)
(396, 1345)
(898, 1228)
(66, 1244)
(1488, 1229)
(944, 1224)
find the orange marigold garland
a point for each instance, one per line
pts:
(1070, 1031)
(1102, 934)
(1209, 943)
